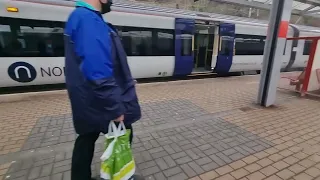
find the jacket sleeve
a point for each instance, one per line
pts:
(93, 45)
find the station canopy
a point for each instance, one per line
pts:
(309, 8)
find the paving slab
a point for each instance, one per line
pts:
(191, 129)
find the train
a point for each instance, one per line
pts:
(159, 42)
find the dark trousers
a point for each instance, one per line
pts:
(83, 152)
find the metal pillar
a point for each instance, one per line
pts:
(250, 10)
(276, 37)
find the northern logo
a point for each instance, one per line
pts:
(22, 72)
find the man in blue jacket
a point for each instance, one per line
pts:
(98, 79)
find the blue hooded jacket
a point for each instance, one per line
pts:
(98, 79)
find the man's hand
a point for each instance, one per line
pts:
(119, 119)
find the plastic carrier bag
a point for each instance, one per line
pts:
(117, 160)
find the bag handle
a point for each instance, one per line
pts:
(114, 131)
(121, 128)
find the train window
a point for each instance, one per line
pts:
(306, 49)
(225, 45)
(249, 44)
(30, 38)
(165, 43)
(38, 38)
(186, 43)
(139, 41)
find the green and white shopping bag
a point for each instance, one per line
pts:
(117, 160)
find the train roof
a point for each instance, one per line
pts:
(123, 5)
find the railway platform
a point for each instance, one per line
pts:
(194, 129)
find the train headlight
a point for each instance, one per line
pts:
(12, 9)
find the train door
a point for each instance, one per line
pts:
(226, 48)
(203, 47)
(184, 30)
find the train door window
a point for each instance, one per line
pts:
(186, 43)
(31, 38)
(225, 45)
(307, 46)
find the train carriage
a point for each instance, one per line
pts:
(158, 41)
